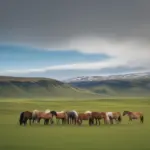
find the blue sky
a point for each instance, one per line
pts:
(19, 57)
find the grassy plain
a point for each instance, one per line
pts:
(133, 136)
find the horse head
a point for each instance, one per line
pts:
(54, 113)
(125, 112)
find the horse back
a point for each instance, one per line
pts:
(28, 114)
(137, 114)
(83, 116)
(96, 115)
(116, 114)
(61, 115)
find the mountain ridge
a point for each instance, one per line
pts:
(24, 87)
(118, 85)
(109, 77)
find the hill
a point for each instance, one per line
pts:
(119, 85)
(17, 87)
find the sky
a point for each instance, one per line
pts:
(62, 39)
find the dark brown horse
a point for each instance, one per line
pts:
(46, 116)
(134, 115)
(83, 116)
(97, 116)
(24, 117)
(63, 116)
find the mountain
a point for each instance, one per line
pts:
(17, 87)
(112, 77)
(117, 85)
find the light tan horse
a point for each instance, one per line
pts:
(113, 116)
(134, 115)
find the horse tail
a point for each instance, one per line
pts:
(142, 118)
(21, 118)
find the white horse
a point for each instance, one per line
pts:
(108, 116)
(34, 115)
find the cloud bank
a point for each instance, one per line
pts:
(118, 29)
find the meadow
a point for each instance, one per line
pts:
(124, 136)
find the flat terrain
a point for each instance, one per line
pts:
(133, 136)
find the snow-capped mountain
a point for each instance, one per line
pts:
(111, 77)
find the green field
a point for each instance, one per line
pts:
(133, 136)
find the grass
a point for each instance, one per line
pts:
(106, 137)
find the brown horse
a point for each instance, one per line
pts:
(114, 116)
(83, 116)
(134, 115)
(97, 116)
(63, 116)
(46, 116)
(24, 117)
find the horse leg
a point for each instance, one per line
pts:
(130, 119)
(81, 121)
(25, 121)
(57, 121)
(142, 119)
(96, 121)
(64, 120)
(33, 120)
(111, 120)
(30, 121)
(99, 122)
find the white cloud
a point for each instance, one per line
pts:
(130, 53)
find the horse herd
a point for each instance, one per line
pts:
(73, 117)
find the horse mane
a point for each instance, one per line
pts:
(47, 111)
(75, 113)
(87, 112)
(61, 111)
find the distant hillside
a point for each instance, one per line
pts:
(16, 87)
(137, 85)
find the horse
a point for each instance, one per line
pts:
(46, 116)
(24, 117)
(34, 115)
(97, 116)
(63, 116)
(134, 115)
(72, 117)
(113, 115)
(83, 116)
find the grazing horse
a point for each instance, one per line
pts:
(34, 115)
(63, 116)
(97, 116)
(113, 116)
(83, 116)
(24, 117)
(134, 115)
(72, 117)
(46, 116)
